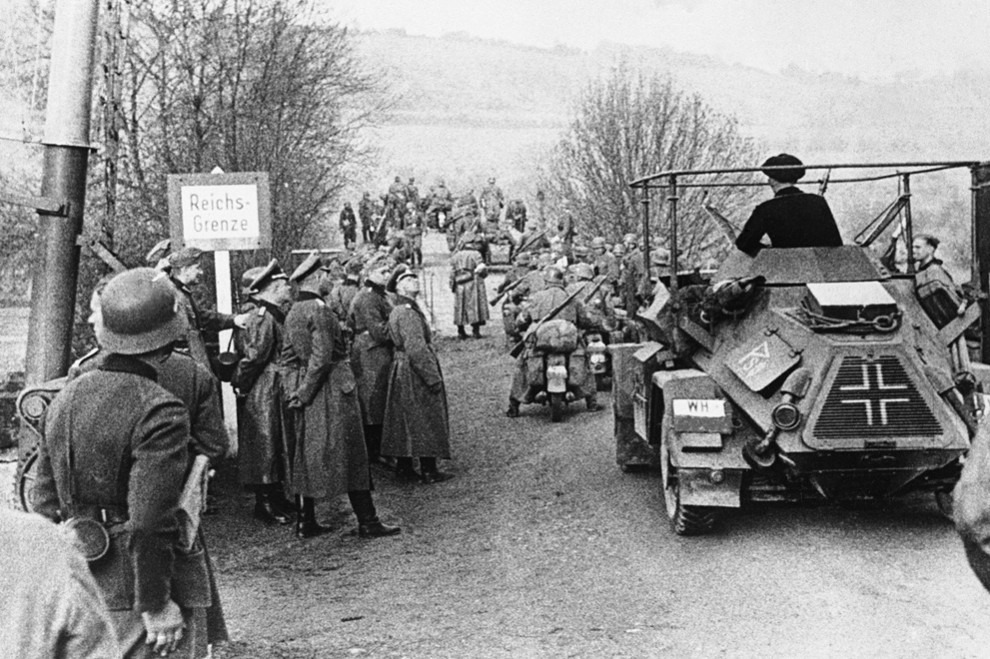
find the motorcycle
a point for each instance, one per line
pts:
(557, 368)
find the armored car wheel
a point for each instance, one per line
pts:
(27, 470)
(557, 407)
(684, 520)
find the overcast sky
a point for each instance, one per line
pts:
(873, 39)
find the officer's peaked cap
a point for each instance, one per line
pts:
(311, 264)
(262, 276)
(185, 257)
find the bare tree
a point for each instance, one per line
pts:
(246, 85)
(632, 124)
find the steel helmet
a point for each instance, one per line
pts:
(140, 313)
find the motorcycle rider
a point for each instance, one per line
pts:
(539, 307)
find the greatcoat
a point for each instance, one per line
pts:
(119, 410)
(416, 419)
(371, 353)
(198, 321)
(329, 454)
(470, 293)
(262, 455)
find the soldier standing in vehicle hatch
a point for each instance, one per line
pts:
(793, 218)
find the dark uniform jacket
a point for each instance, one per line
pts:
(793, 218)
(329, 455)
(129, 457)
(416, 418)
(371, 352)
(261, 458)
(199, 321)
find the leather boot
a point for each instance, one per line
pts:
(281, 503)
(513, 410)
(461, 334)
(592, 402)
(476, 331)
(306, 524)
(369, 526)
(429, 472)
(404, 470)
(265, 511)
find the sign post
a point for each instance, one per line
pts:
(217, 213)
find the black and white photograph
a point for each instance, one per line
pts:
(528, 329)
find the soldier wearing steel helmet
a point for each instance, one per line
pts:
(792, 218)
(120, 409)
(539, 306)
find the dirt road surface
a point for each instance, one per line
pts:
(541, 547)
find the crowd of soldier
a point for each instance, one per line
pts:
(330, 380)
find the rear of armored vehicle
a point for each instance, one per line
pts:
(822, 377)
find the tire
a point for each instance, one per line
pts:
(684, 520)
(557, 407)
(27, 470)
(944, 502)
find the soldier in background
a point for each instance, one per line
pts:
(467, 282)
(441, 201)
(566, 228)
(412, 228)
(330, 456)
(342, 295)
(635, 282)
(412, 193)
(262, 459)
(366, 213)
(348, 226)
(491, 201)
(416, 421)
(605, 263)
(119, 409)
(371, 356)
(515, 214)
(185, 271)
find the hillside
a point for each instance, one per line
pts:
(472, 106)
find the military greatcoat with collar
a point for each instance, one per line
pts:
(329, 455)
(129, 456)
(371, 353)
(262, 456)
(470, 293)
(416, 417)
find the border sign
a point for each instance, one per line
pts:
(219, 212)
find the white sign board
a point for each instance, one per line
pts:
(220, 211)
